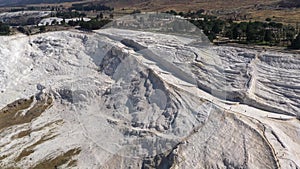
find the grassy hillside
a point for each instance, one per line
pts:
(25, 2)
(156, 4)
(284, 11)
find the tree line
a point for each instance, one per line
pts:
(67, 15)
(257, 32)
(90, 7)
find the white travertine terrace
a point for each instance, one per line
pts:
(146, 100)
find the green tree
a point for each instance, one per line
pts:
(199, 12)
(268, 36)
(254, 32)
(296, 43)
(4, 29)
(217, 28)
(42, 28)
(268, 19)
(234, 32)
(250, 32)
(93, 24)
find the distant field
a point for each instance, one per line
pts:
(186, 5)
(156, 5)
(25, 2)
(239, 9)
(291, 16)
(252, 10)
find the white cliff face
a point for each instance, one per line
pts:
(119, 99)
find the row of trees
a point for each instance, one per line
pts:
(93, 24)
(190, 14)
(90, 7)
(261, 33)
(67, 15)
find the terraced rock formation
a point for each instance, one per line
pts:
(117, 98)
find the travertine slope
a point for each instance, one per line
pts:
(117, 98)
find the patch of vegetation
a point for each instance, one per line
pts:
(42, 29)
(17, 9)
(90, 7)
(296, 43)
(67, 15)
(258, 33)
(11, 114)
(93, 24)
(189, 14)
(24, 30)
(4, 29)
(64, 158)
(268, 19)
(266, 33)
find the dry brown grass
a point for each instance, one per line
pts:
(163, 5)
(72, 163)
(242, 7)
(24, 153)
(29, 150)
(11, 114)
(291, 16)
(65, 158)
(186, 5)
(28, 131)
(23, 133)
(3, 157)
(249, 8)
